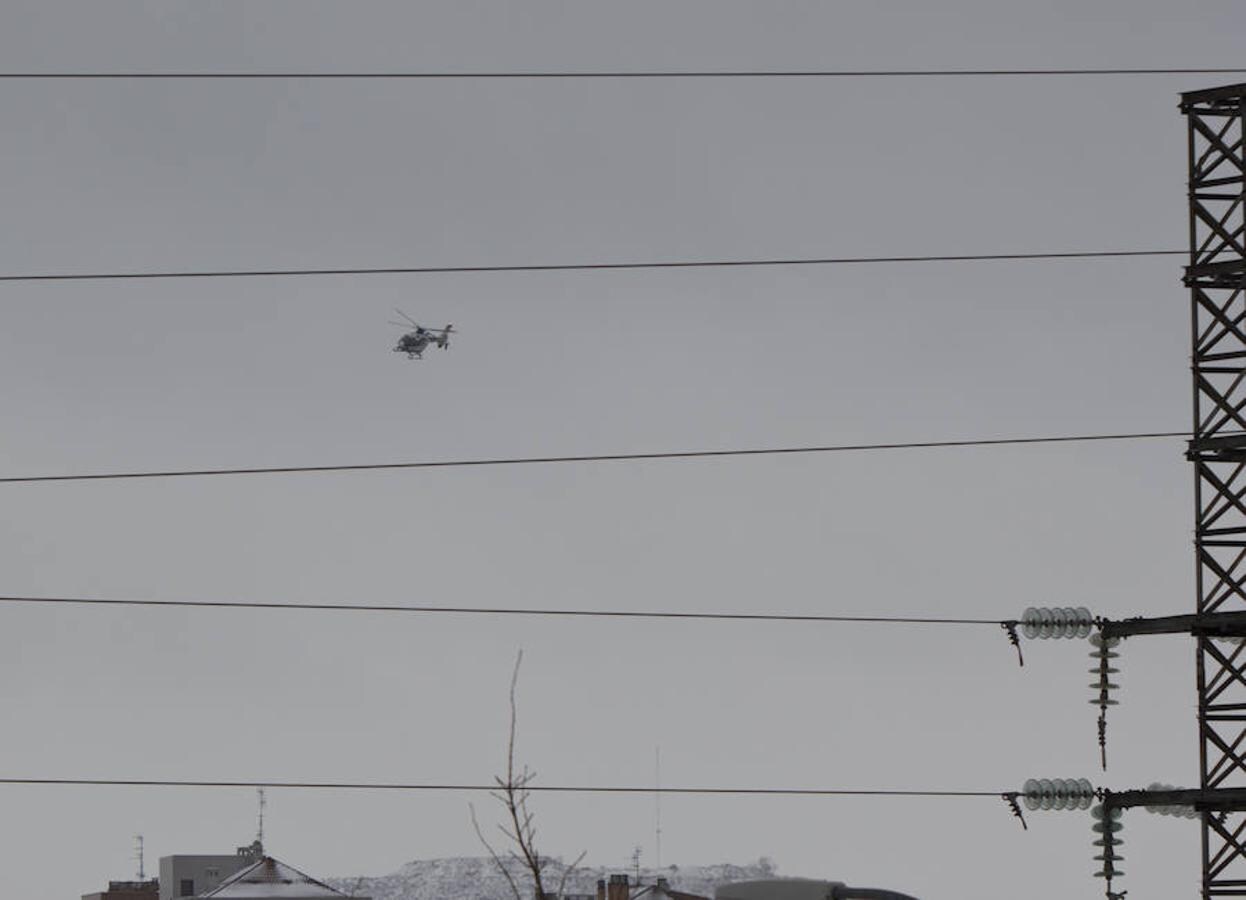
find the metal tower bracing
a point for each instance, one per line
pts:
(1216, 277)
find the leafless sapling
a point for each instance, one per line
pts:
(513, 794)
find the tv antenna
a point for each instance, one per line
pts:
(138, 855)
(259, 831)
(657, 804)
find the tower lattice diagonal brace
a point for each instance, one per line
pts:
(1216, 277)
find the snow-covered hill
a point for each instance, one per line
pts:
(477, 878)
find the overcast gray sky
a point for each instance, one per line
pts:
(124, 175)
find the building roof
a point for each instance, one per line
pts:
(270, 878)
(662, 891)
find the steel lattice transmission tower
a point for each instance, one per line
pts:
(1216, 276)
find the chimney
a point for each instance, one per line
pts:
(601, 889)
(617, 889)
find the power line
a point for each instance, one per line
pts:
(502, 611)
(548, 788)
(572, 267)
(612, 457)
(721, 73)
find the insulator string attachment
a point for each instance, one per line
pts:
(1180, 810)
(1056, 622)
(1107, 827)
(1103, 654)
(1058, 793)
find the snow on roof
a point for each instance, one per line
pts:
(271, 878)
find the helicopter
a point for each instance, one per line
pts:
(414, 342)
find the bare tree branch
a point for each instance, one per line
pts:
(562, 882)
(492, 853)
(510, 746)
(521, 830)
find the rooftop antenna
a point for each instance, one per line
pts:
(259, 831)
(138, 854)
(657, 803)
(636, 864)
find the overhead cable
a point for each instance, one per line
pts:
(621, 74)
(574, 267)
(545, 788)
(611, 457)
(503, 611)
